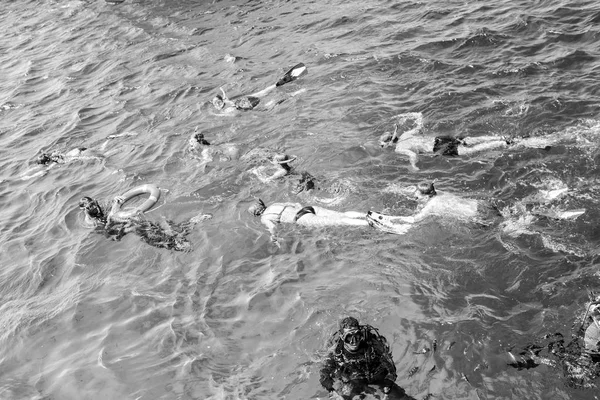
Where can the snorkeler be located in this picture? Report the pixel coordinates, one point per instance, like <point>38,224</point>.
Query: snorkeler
<point>412,142</point>
<point>116,223</point>
<point>223,103</point>
<point>277,168</point>
<point>317,217</point>
<point>46,160</point>
<point>206,152</point>
<point>80,153</point>
<point>311,216</point>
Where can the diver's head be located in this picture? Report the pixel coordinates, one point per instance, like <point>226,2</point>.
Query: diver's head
<point>92,208</point>
<point>44,159</point>
<point>352,334</point>
<point>218,102</point>
<point>257,208</point>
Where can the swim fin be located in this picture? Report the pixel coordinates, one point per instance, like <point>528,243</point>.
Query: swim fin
<point>387,223</point>
<point>297,71</point>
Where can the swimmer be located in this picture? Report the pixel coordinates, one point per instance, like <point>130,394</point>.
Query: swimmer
<point>47,160</point>
<point>80,153</point>
<point>323,190</point>
<point>223,103</point>
<point>312,216</point>
<point>278,168</point>
<point>201,149</point>
<point>412,142</point>
<point>173,237</point>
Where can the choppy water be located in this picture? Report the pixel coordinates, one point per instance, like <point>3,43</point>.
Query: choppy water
<point>83,317</point>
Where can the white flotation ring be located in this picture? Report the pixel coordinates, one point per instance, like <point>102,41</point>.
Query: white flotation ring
<point>123,215</point>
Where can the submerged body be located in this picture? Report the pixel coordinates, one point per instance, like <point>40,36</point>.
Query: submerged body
<point>276,168</point>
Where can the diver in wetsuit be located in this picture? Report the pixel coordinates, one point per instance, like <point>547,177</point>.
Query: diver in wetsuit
<point>580,364</point>
<point>358,356</point>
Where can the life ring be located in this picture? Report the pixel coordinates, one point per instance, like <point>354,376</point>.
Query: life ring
<point>124,215</point>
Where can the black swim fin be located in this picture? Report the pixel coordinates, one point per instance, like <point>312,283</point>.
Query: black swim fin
<point>297,71</point>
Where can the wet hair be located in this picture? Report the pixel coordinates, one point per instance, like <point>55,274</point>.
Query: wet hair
<point>349,323</point>
<point>199,137</point>
<point>426,189</point>
<point>257,208</point>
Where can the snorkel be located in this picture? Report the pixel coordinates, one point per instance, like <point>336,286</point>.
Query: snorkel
<point>388,138</point>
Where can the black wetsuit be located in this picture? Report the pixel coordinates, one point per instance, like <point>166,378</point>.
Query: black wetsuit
<point>372,363</point>
<point>447,145</point>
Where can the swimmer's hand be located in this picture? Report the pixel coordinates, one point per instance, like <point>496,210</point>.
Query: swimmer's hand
<point>119,200</point>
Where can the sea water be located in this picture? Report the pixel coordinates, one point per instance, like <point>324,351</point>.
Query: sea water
<point>238,316</point>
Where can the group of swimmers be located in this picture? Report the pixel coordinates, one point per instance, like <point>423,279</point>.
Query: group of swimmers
<point>407,137</point>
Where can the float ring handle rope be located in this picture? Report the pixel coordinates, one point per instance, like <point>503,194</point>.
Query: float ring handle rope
<point>124,215</point>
